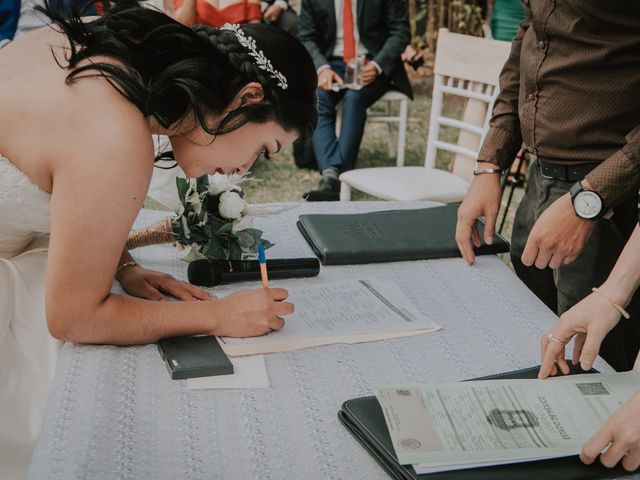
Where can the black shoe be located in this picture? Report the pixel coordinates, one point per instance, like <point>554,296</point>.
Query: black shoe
<point>328,190</point>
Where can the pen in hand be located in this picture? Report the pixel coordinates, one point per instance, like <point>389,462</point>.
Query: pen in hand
<point>263,266</point>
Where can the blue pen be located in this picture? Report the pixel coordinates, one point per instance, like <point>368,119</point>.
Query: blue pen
<point>263,266</point>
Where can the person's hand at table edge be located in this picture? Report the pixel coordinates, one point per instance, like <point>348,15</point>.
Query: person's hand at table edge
<point>483,200</point>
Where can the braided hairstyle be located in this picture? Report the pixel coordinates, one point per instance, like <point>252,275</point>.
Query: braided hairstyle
<point>168,70</point>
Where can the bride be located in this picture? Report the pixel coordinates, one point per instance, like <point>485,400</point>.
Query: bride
<point>80,104</point>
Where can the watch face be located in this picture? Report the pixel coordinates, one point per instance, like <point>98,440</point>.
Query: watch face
<point>587,204</point>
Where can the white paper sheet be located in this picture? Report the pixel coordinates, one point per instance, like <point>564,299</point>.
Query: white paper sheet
<point>465,424</point>
<point>249,372</point>
<point>349,311</point>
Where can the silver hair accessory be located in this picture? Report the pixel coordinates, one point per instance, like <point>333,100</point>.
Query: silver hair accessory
<point>261,61</point>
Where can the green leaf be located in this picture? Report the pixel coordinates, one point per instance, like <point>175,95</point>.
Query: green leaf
<point>224,228</point>
<point>235,252</point>
<point>183,186</point>
<point>202,184</point>
<point>214,249</point>
<point>249,237</point>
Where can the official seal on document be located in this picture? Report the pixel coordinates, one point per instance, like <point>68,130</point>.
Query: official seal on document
<point>410,443</point>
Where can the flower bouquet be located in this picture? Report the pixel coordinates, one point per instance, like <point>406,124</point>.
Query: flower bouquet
<point>213,220</point>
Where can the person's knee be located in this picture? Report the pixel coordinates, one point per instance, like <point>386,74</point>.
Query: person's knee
<point>326,107</point>
<point>288,22</point>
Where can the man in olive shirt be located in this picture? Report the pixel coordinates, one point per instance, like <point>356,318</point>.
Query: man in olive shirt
<point>570,95</point>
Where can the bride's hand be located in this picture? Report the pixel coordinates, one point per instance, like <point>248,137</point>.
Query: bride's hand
<point>150,284</point>
<point>252,313</point>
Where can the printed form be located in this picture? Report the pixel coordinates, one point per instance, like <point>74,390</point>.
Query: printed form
<point>349,311</point>
<point>466,424</point>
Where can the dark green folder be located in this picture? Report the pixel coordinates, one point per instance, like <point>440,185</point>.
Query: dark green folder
<point>388,236</point>
<point>363,417</point>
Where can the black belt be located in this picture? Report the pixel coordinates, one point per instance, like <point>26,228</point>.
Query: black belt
<point>565,172</point>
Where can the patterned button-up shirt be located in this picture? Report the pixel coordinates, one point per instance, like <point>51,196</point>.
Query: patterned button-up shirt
<point>570,91</point>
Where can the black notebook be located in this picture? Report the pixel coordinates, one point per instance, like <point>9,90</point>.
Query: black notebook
<point>388,236</point>
<point>363,417</point>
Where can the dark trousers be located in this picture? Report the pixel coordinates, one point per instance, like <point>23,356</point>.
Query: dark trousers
<point>343,152</point>
<point>288,22</point>
<point>562,288</point>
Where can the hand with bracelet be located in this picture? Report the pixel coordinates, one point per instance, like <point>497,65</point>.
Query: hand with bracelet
<point>483,200</point>
<point>590,320</point>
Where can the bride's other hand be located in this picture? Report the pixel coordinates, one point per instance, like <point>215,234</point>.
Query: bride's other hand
<point>152,285</point>
<point>251,313</point>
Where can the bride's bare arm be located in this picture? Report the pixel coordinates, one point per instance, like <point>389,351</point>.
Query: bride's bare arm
<point>98,189</point>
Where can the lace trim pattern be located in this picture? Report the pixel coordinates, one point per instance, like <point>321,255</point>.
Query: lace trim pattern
<point>23,205</point>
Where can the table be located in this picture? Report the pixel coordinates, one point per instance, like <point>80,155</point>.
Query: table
<point>115,413</point>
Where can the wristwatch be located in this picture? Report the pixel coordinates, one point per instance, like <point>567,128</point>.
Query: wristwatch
<point>587,203</point>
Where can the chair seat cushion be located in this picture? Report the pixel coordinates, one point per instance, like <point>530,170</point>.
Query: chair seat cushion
<point>408,183</point>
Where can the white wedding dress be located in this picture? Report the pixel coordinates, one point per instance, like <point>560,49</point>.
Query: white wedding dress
<point>28,354</point>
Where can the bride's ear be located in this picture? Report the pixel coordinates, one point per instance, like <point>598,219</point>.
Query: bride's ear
<point>251,94</point>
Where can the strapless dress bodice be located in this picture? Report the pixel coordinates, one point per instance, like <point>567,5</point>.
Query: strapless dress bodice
<point>24,210</point>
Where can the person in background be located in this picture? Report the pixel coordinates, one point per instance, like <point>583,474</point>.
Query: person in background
<point>280,14</point>
<point>588,323</point>
<point>9,13</point>
<point>216,12</point>
<point>569,97</point>
<point>336,32</point>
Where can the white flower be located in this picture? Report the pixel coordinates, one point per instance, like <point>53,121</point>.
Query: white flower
<point>231,205</point>
<point>218,183</point>
<point>241,224</point>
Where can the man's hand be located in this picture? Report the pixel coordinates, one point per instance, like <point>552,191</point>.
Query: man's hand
<point>327,77</point>
<point>369,73</point>
<point>272,13</point>
<point>558,236</point>
<point>589,321</point>
<point>483,200</point>
<point>620,436</point>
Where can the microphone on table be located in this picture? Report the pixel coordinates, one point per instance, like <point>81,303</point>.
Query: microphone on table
<point>207,273</point>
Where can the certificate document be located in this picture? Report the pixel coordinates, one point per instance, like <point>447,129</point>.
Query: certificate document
<point>467,424</point>
<point>349,311</point>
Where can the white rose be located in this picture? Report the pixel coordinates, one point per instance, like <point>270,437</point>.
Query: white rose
<point>218,183</point>
<point>231,205</point>
<point>241,224</point>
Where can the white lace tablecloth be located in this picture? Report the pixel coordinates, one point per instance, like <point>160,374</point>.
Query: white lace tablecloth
<point>115,413</point>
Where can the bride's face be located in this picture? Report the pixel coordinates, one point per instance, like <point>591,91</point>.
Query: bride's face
<point>198,153</point>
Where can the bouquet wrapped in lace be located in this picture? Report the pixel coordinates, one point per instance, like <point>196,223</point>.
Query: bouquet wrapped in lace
<point>213,220</point>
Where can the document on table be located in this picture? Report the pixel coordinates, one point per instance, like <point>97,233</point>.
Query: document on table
<point>349,311</point>
<point>480,423</point>
<point>248,372</point>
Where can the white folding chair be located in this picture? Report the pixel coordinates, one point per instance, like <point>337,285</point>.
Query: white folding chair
<point>384,113</point>
<point>397,124</point>
<point>465,66</point>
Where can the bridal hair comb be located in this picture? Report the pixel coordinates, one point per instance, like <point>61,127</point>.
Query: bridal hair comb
<point>261,61</point>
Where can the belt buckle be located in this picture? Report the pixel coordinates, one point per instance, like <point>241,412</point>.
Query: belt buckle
<point>548,177</point>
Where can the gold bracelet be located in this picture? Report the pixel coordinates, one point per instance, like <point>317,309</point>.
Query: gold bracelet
<point>617,306</point>
<point>125,264</point>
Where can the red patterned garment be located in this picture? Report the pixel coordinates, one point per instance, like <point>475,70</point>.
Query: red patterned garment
<point>218,12</point>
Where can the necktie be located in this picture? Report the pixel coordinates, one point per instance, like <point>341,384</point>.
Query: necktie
<point>347,30</point>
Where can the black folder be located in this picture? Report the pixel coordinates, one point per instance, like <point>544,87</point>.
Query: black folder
<point>388,236</point>
<point>363,417</point>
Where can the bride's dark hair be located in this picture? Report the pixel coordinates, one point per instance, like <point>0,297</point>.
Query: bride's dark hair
<point>167,69</point>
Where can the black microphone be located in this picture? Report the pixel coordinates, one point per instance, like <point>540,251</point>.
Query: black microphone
<point>207,273</point>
